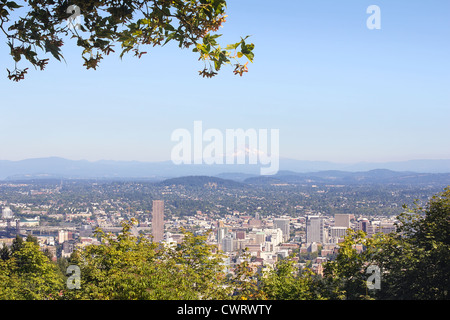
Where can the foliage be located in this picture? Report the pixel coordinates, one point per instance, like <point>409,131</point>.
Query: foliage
<point>128,267</point>
<point>417,257</point>
<point>244,280</point>
<point>346,277</point>
<point>132,24</point>
<point>286,282</point>
<point>27,274</point>
<point>414,261</point>
<point>200,271</point>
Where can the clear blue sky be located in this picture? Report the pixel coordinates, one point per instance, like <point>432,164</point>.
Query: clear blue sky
<point>336,90</point>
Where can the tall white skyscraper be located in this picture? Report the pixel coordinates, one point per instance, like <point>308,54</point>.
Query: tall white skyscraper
<point>315,229</point>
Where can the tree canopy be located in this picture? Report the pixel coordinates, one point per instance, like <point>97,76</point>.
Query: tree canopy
<point>414,261</point>
<point>36,27</point>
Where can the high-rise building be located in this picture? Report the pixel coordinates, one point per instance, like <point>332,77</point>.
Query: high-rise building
<point>158,220</point>
<point>366,226</point>
<point>228,243</point>
<point>342,220</point>
<point>363,225</point>
<point>315,229</point>
<point>284,225</point>
<point>221,233</point>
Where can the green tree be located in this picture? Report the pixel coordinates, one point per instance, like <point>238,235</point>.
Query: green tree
<point>131,24</point>
<point>126,267</point>
<point>17,244</point>
<point>5,252</point>
<point>201,273</point>
<point>32,239</point>
<point>29,275</point>
<point>286,282</point>
<point>245,280</point>
<point>346,277</point>
<point>416,259</point>
<point>9,282</point>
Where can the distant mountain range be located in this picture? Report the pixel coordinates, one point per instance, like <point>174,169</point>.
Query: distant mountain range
<point>378,176</point>
<point>290,170</point>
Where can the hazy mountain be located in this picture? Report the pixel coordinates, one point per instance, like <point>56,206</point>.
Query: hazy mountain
<point>64,168</point>
<point>426,166</point>
<point>378,176</point>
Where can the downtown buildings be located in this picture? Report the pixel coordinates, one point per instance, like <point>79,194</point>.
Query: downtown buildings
<point>267,238</point>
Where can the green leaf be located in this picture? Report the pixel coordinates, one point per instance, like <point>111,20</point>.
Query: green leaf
<point>247,51</point>
<point>232,46</point>
<point>53,49</point>
<point>13,5</point>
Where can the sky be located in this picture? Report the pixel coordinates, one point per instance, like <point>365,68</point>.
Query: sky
<point>335,89</point>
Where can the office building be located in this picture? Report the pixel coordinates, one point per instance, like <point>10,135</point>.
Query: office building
<point>363,225</point>
<point>315,229</point>
<point>228,243</point>
<point>221,233</point>
<point>158,220</point>
<point>342,220</point>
